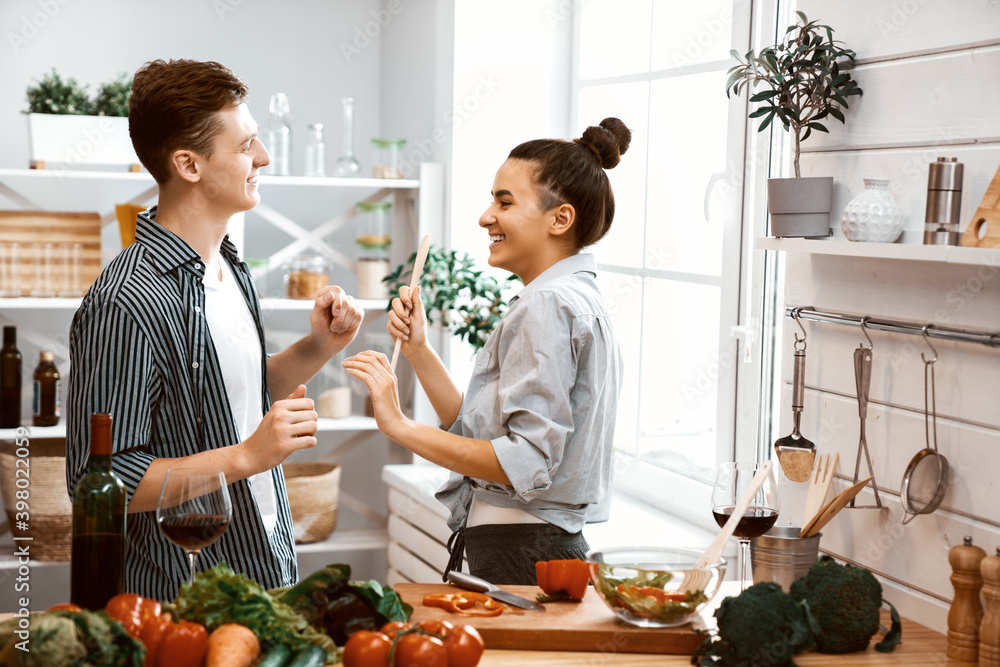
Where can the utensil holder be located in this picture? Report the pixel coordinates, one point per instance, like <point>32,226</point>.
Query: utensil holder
<point>781,556</point>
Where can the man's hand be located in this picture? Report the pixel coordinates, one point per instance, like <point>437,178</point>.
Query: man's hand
<point>290,425</point>
<point>335,320</point>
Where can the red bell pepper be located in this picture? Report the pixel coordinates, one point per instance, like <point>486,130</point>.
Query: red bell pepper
<point>167,643</point>
<point>464,603</point>
<point>562,579</point>
<point>132,611</point>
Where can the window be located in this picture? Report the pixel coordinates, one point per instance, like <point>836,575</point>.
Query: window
<point>673,266</point>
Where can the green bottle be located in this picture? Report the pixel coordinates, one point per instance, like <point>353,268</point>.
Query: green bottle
<point>10,380</point>
<point>97,563</point>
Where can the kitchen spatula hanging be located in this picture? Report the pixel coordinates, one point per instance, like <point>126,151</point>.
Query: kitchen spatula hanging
<point>795,453</point>
<point>863,380</point>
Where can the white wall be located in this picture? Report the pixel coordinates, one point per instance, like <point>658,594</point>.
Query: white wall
<point>924,68</point>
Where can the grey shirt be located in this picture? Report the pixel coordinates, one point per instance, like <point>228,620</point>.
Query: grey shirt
<point>545,393</point>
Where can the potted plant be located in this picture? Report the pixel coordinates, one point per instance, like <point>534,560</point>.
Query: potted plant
<point>457,296</point>
<point>67,128</point>
<point>804,84</point>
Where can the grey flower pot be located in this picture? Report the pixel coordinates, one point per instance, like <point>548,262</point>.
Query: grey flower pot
<point>800,207</point>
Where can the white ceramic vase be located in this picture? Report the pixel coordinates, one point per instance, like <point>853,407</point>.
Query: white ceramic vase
<point>873,215</point>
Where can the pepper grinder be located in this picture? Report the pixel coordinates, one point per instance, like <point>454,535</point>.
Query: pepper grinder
<point>963,617</point>
<point>944,202</point>
<point>989,631</point>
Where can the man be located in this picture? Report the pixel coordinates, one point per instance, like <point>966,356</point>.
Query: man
<point>169,339</point>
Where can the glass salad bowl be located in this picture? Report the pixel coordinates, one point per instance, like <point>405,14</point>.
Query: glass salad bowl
<point>654,587</point>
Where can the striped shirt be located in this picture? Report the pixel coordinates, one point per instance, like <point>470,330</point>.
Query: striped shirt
<point>141,350</point>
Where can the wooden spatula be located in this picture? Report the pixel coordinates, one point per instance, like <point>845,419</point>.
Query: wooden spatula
<point>697,581</point>
<point>819,485</point>
<point>831,508</point>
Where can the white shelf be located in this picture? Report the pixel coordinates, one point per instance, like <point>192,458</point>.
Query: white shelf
<point>39,303</point>
<point>57,431</point>
<point>905,251</point>
<point>271,304</point>
<point>81,174</point>
<point>356,539</point>
<point>352,423</point>
<point>324,181</point>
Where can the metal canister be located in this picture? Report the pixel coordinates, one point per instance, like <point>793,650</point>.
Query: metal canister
<point>944,202</point>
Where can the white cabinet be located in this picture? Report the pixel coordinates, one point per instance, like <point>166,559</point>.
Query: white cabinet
<point>354,442</point>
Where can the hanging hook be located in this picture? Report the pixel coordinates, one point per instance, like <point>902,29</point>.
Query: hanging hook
<point>927,339</point>
<point>799,341</point>
<point>864,330</point>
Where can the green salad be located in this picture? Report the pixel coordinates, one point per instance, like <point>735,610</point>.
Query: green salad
<point>644,595</point>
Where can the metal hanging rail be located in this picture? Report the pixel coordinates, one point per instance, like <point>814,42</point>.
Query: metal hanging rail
<point>930,330</point>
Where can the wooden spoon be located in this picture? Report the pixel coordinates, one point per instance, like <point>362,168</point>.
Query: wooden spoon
<point>831,509</point>
<point>418,268</point>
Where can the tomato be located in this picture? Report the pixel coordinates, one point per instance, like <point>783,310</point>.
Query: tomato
<point>464,645</point>
<point>393,628</point>
<point>417,650</point>
<point>65,606</point>
<point>438,626</point>
<point>365,648</point>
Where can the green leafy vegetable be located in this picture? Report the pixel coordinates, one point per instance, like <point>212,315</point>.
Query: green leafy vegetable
<point>221,595</point>
<point>388,605</point>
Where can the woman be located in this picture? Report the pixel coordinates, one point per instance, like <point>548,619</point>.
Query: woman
<point>530,443</point>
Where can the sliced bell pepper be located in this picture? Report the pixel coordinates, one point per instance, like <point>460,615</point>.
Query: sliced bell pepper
<point>657,594</point>
<point>562,579</point>
<point>465,603</point>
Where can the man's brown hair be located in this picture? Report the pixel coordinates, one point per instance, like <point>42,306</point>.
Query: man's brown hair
<point>173,106</point>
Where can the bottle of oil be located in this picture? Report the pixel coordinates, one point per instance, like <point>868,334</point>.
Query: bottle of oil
<point>97,561</point>
<point>10,380</point>
<point>47,407</point>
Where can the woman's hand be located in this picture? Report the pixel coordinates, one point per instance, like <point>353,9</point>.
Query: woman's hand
<point>373,369</point>
<point>407,321</point>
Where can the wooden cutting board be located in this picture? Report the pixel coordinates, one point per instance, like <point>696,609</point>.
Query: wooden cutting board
<point>588,625</point>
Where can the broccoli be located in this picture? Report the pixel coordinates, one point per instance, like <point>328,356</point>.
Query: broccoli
<point>762,626</point>
<point>844,601</point>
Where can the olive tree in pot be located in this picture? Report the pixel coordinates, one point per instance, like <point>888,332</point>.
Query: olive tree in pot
<point>804,84</point>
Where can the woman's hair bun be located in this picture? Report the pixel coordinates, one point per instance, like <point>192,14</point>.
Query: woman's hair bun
<point>608,141</point>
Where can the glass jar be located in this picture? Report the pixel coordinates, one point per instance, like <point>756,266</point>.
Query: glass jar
<point>305,275</point>
<point>373,242</point>
<point>315,151</point>
<point>258,271</point>
<point>387,161</point>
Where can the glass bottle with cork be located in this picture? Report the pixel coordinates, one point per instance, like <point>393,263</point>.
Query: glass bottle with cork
<point>47,399</point>
<point>10,380</point>
<point>97,561</point>
<point>373,242</point>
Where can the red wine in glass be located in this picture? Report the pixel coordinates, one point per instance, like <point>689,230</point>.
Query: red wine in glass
<point>755,521</point>
<point>194,509</point>
<point>193,531</point>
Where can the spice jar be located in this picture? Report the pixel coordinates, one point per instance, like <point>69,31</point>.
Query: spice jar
<point>373,249</point>
<point>387,162</point>
<point>305,275</point>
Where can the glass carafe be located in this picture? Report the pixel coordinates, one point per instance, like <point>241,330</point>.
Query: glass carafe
<point>347,165</point>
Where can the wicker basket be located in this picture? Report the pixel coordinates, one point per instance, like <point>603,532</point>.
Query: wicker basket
<point>312,496</point>
<point>50,512</point>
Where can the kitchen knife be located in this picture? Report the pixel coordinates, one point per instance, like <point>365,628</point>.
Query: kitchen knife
<point>482,586</point>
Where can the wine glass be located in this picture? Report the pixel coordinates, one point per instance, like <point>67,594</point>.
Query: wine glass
<point>194,509</point>
<point>731,481</point>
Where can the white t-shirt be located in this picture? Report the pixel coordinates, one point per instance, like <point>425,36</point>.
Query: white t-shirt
<point>238,346</point>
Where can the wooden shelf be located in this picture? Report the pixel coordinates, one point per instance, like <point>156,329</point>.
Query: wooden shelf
<point>904,251</point>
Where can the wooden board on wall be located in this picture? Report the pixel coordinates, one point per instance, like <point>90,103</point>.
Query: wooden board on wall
<point>27,228</point>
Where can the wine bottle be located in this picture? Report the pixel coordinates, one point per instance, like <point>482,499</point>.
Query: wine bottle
<point>97,561</point>
<point>46,406</point>
<point>10,380</point>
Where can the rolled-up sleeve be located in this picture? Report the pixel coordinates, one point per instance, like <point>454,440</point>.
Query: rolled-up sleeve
<point>111,371</point>
<point>537,372</point>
